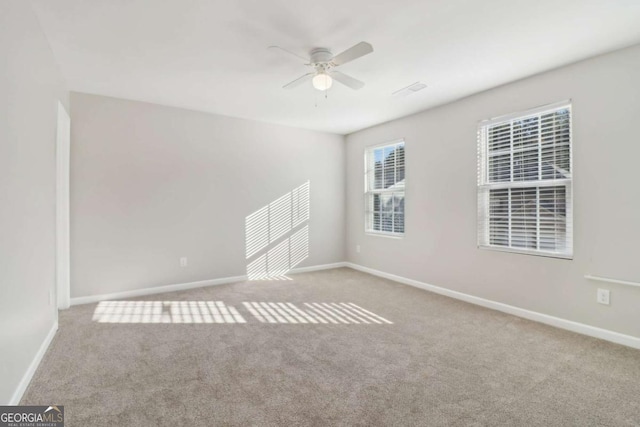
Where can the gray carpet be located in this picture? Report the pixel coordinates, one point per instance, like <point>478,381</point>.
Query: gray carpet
<point>441,362</point>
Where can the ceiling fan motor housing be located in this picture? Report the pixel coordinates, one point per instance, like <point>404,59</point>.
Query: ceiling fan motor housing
<point>320,59</point>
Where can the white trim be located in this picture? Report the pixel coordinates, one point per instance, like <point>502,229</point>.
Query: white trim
<point>534,252</point>
<point>530,112</point>
<point>156,290</point>
<point>190,285</point>
<point>569,325</point>
<point>609,280</point>
<point>383,144</point>
<point>26,378</point>
<point>318,267</point>
<point>386,234</point>
<point>63,150</point>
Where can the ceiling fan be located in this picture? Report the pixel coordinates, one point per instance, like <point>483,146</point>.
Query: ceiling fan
<point>324,65</point>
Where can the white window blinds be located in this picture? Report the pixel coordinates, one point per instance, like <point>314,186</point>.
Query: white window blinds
<point>525,182</point>
<point>384,182</point>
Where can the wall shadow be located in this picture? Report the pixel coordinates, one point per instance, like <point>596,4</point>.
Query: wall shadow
<point>277,235</point>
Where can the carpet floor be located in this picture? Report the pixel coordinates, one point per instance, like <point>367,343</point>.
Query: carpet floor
<point>335,348</point>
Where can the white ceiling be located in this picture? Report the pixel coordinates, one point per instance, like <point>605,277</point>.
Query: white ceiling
<point>212,55</point>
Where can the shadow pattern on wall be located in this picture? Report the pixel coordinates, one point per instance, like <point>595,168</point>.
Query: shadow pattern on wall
<point>277,235</point>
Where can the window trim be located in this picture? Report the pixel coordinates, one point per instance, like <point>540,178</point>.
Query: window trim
<point>529,112</point>
<point>367,192</point>
<point>482,154</point>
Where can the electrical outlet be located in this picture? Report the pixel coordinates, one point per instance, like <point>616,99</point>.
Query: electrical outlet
<point>358,248</point>
<point>183,261</point>
<point>603,296</point>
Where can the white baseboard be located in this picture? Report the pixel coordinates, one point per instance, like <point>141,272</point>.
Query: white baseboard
<point>318,267</point>
<point>155,290</point>
<point>190,285</point>
<point>558,322</point>
<point>26,378</point>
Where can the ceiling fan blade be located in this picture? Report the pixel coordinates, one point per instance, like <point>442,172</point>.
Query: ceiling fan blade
<point>306,60</point>
<point>298,81</point>
<point>347,80</point>
<point>354,52</point>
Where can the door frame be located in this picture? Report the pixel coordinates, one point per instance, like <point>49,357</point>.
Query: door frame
<point>63,249</point>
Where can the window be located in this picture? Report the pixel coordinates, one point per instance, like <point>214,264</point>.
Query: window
<point>525,182</point>
<point>384,189</point>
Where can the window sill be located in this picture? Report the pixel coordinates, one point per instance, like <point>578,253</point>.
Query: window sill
<point>568,257</point>
<point>383,234</point>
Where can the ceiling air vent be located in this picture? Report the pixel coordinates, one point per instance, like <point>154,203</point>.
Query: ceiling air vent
<point>410,89</point>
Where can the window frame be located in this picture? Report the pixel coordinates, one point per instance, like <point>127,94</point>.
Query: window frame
<point>484,185</point>
<point>369,193</point>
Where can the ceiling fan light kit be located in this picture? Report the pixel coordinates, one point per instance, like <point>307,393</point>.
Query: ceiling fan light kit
<point>322,81</point>
<point>324,63</point>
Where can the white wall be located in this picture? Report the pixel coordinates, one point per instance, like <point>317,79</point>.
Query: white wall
<point>439,247</point>
<point>151,184</point>
<point>30,87</point>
